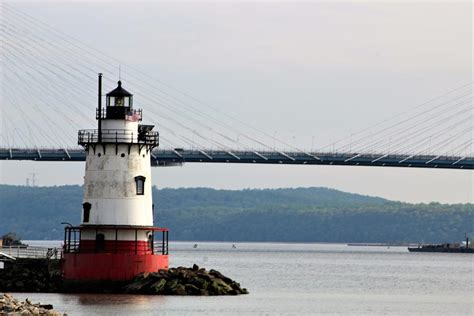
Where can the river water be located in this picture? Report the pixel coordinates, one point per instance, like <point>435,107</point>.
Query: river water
<point>302,279</point>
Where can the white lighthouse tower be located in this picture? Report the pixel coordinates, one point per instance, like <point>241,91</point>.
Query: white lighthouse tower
<point>116,239</point>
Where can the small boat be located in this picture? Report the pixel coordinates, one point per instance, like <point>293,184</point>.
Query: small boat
<point>11,240</point>
<point>195,246</point>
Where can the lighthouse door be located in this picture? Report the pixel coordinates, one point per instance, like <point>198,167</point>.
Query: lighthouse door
<point>87,211</point>
<point>99,242</point>
<point>150,242</point>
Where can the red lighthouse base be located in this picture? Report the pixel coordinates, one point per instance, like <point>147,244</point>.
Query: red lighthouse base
<point>112,260</point>
<point>111,267</point>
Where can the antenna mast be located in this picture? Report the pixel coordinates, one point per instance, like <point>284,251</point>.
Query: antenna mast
<point>100,109</point>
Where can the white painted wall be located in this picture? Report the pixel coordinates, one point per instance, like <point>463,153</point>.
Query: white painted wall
<point>109,234</point>
<point>109,185</point>
<point>125,131</point>
<point>119,124</point>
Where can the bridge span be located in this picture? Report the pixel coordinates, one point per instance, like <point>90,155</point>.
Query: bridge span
<point>175,157</point>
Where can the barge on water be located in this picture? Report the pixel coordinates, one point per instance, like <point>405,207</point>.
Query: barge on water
<point>464,247</point>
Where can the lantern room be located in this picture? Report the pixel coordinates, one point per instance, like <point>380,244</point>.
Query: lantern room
<point>120,105</point>
<point>119,97</point>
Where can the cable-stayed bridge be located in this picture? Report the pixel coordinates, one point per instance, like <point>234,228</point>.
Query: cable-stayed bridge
<point>179,156</point>
<point>48,93</point>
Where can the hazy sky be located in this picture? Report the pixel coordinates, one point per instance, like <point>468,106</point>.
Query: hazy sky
<point>302,71</point>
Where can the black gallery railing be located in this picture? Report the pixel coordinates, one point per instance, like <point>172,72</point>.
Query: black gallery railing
<point>156,243</point>
<point>118,136</point>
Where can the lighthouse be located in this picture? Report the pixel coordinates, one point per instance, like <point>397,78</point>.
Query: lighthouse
<point>116,239</point>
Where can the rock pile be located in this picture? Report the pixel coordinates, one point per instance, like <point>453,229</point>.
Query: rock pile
<point>30,275</point>
<point>184,281</point>
<point>43,275</point>
<point>11,306</point>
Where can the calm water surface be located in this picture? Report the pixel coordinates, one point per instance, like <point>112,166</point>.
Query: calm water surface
<point>302,279</point>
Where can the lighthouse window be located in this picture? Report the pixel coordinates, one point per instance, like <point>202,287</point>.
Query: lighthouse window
<point>87,211</point>
<point>119,101</point>
<point>140,183</point>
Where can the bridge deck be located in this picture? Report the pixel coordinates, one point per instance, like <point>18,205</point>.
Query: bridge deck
<point>161,157</point>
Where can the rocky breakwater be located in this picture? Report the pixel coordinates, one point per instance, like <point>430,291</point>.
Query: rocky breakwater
<point>30,275</point>
<point>9,306</point>
<point>184,281</point>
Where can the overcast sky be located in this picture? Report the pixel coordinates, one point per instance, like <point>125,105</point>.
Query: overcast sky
<point>306,72</point>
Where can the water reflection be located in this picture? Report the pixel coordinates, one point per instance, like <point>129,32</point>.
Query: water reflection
<point>114,299</point>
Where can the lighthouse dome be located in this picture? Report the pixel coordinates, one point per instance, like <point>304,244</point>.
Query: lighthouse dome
<point>119,91</point>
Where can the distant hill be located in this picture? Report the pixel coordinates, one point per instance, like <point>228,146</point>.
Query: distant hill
<point>286,215</point>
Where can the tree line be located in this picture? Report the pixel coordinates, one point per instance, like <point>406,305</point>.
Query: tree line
<point>280,215</point>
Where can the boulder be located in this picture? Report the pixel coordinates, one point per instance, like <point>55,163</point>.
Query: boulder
<point>171,284</point>
<point>192,290</point>
<point>219,287</point>
<point>179,290</point>
<point>139,285</point>
<point>158,287</point>
<point>199,282</point>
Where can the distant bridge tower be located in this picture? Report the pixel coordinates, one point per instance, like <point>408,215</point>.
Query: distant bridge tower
<point>116,239</point>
